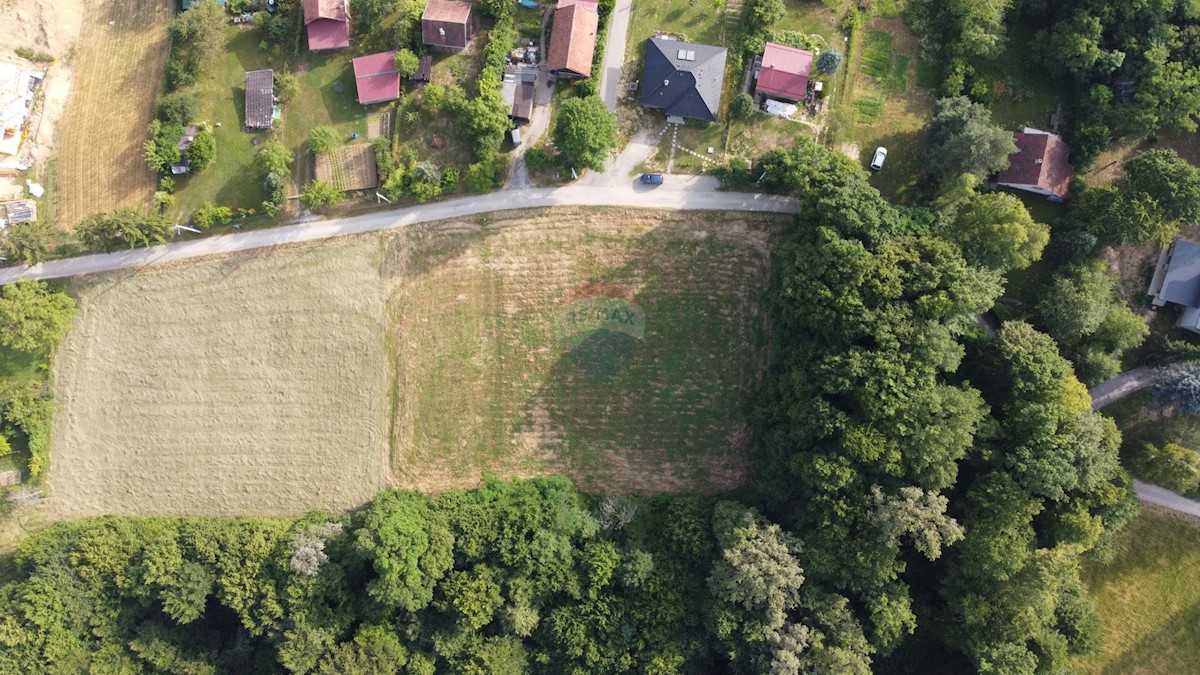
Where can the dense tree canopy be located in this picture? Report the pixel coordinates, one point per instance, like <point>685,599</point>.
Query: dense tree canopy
<point>33,317</point>
<point>994,230</point>
<point>962,139</point>
<point>585,131</point>
<point>1158,193</point>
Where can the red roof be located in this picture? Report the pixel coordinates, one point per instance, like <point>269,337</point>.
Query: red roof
<point>1040,160</point>
<point>784,72</point>
<point>325,9</point>
<point>573,42</point>
<point>377,78</point>
<point>328,23</point>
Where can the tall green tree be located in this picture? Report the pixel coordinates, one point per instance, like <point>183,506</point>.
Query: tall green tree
<point>124,227</point>
<point>34,317</point>
<point>996,231</point>
<point>585,132</point>
<point>963,139</point>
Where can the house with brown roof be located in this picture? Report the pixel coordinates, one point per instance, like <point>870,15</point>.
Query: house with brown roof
<point>573,41</point>
<point>377,78</point>
<point>448,25</point>
<point>1039,165</point>
<point>783,73</point>
<point>327,23</point>
<point>260,99</point>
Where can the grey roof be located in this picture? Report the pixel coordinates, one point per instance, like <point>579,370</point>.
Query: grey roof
<point>683,79</point>
<point>260,98</point>
<point>1182,283</point>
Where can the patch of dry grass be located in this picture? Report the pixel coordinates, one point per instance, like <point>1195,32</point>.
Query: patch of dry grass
<point>117,69</point>
<point>253,384</point>
<point>485,381</point>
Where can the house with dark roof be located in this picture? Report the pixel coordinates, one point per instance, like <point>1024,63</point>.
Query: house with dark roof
<point>377,78</point>
<point>260,99</point>
<point>327,23</point>
<point>517,90</point>
<point>783,73</point>
<point>573,40</point>
<point>1039,165</point>
<point>683,79</point>
<point>448,25</point>
<point>1177,280</point>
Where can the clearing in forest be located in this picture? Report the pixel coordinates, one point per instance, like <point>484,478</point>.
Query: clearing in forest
<point>252,384</point>
<point>117,72</point>
<point>616,347</point>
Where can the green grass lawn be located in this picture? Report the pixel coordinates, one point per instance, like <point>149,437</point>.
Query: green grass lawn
<point>695,20</point>
<point>320,103</point>
<point>1148,599</point>
<point>814,17</point>
<point>884,107</point>
<point>229,180</point>
<point>1029,98</point>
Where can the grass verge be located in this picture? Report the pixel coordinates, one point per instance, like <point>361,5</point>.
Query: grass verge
<point>1148,599</point>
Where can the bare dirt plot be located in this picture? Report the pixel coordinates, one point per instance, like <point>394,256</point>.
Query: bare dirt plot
<point>349,167</point>
<point>616,347</point>
<point>117,70</point>
<point>253,384</point>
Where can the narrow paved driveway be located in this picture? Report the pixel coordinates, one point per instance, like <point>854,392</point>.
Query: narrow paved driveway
<point>677,193</point>
<point>1165,498</point>
<point>1117,388</point>
<point>614,53</point>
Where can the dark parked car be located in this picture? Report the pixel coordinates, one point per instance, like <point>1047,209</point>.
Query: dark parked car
<point>652,179</point>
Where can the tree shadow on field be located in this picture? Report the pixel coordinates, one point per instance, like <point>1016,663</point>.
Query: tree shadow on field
<point>657,358</point>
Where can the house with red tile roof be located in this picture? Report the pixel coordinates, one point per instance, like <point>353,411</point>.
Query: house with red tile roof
<point>376,77</point>
<point>573,41</point>
<point>784,73</point>
<point>1039,165</point>
<point>448,25</point>
<point>327,23</point>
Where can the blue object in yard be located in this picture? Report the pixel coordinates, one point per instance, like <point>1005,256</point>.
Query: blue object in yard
<point>527,4</point>
<point>354,136</point>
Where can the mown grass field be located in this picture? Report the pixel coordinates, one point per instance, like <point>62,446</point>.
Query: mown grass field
<point>486,382</point>
<point>278,382</point>
<point>1148,599</point>
<point>252,384</point>
<point>117,69</point>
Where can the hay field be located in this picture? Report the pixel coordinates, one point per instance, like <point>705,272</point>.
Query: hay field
<point>492,375</point>
<point>253,384</point>
<point>117,72</point>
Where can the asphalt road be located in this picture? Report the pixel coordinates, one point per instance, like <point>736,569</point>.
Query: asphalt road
<point>677,193</point>
<point>614,53</point>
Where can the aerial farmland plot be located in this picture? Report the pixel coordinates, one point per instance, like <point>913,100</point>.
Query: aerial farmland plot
<point>616,347</point>
<point>251,384</point>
